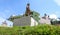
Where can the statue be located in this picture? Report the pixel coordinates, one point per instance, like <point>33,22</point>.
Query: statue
<point>27,13</point>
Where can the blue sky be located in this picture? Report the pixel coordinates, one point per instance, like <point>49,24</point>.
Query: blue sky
<point>18,7</point>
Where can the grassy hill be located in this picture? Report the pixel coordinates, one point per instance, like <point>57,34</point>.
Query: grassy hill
<point>35,30</point>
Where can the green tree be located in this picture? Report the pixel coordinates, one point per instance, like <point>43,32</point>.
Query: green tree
<point>11,18</point>
<point>35,15</point>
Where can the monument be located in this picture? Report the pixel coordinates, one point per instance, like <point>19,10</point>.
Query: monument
<point>26,20</point>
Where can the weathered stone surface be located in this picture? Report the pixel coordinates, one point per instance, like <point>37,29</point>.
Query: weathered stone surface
<point>25,21</point>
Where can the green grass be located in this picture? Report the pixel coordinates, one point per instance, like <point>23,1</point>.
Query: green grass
<point>34,30</point>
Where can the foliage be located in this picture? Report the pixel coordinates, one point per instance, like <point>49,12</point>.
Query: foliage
<point>54,21</point>
<point>35,15</point>
<point>11,18</point>
<point>42,29</point>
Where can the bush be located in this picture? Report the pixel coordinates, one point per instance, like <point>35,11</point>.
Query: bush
<point>34,30</point>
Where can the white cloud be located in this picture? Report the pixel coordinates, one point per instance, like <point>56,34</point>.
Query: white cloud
<point>58,19</point>
<point>53,16</point>
<point>57,2</point>
<point>1,19</point>
<point>21,13</point>
<point>13,15</point>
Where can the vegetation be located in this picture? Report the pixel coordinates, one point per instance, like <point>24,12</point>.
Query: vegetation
<point>35,15</point>
<point>55,22</point>
<point>42,29</point>
<point>11,18</point>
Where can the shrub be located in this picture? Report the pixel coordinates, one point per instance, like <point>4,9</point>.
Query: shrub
<point>34,30</point>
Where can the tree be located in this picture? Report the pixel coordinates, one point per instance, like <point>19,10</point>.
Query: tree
<point>11,18</point>
<point>55,22</point>
<point>35,15</point>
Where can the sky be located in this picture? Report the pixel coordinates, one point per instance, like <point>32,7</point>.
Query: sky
<point>18,7</point>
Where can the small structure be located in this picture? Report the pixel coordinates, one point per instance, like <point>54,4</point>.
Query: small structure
<point>25,21</point>
<point>45,20</point>
<point>4,24</point>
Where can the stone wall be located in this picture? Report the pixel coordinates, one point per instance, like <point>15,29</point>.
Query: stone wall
<point>24,21</point>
